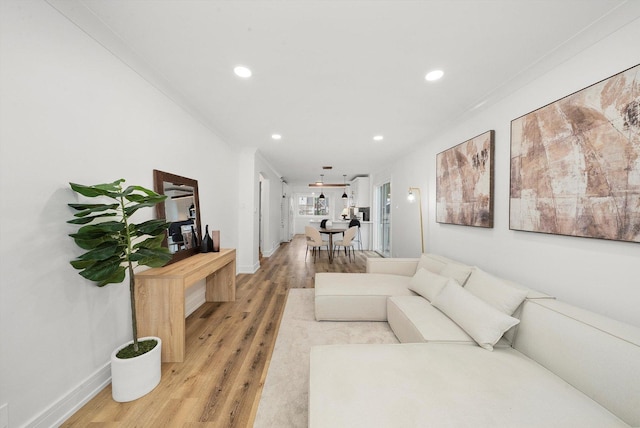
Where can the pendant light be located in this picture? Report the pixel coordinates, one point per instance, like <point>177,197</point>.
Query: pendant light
<point>321,191</point>
<point>344,193</point>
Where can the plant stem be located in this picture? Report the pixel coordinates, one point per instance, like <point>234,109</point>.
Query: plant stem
<point>132,298</point>
<point>132,279</point>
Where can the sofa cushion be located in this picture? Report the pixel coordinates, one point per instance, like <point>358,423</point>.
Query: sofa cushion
<point>598,355</point>
<point>427,284</point>
<point>356,296</point>
<point>477,318</point>
<point>414,320</point>
<point>392,266</point>
<point>494,291</point>
<point>457,271</point>
<point>441,385</point>
<point>442,258</point>
<point>430,263</point>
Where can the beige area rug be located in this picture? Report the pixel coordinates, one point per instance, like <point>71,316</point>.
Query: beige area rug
<point>285,397</point>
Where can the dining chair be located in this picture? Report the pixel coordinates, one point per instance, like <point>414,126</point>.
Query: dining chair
<point>347,242</point>
<point>358,238</point>
<point>314,241</point>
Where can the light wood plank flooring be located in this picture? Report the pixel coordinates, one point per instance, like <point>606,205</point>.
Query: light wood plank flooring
<point>229,346</point>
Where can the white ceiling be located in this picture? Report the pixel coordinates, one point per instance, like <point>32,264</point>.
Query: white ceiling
<point>329,75</point>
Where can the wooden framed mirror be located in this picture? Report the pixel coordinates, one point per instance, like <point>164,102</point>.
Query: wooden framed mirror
<point>182,210</point>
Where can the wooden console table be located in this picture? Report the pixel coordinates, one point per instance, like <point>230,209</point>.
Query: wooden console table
<point>160,296</point>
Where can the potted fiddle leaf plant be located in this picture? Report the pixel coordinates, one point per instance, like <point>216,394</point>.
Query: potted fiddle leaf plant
<point>114,246</point>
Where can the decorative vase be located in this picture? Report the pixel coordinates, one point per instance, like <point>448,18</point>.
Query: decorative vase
<point>194,237</point>
<point>207,242</point>
<point>215,237</point>
<point>132,378</point>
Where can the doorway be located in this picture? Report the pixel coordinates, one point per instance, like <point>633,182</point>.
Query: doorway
<point>383,220</point>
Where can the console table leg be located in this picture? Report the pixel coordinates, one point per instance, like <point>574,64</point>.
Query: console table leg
<point>221,285</point>
<point>160,312</point>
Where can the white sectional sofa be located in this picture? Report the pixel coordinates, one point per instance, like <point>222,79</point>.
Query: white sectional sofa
<point>540,363</point>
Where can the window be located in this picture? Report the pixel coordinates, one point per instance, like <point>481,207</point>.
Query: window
<point>312,205</point>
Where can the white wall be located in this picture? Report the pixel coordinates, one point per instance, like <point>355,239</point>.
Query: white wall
<point>599,275</point>
<point>247,253</point>
<point>252,169</point>
<point>271,201</point>
<point>70,111</point>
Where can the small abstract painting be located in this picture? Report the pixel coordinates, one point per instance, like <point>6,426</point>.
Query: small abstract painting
<point>464,183</point>
<point>575,163</point>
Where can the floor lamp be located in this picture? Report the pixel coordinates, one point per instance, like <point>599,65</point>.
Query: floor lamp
<point>411,198</point>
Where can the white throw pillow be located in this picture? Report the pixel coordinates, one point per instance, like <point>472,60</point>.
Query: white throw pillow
<point>494,291</point>
<point>429,263</point>
<point>427,284</point>
<point>456,271</point>
<point>484,323</point>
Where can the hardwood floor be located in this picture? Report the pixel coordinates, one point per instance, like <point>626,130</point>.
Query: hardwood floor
<point>229,346</point>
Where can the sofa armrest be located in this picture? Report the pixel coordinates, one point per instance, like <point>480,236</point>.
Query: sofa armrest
<point>394,266</point>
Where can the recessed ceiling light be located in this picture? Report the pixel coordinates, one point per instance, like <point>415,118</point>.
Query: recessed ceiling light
<point>434,75</point>
<point>242,71</point>
<point>276,136</point>
<point>378,138</point>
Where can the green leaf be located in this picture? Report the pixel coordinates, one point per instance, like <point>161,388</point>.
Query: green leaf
<point>82,264</point>
<point>80,207</point>
<point>151,227</point>
<point>129,190</point>
<point>104,252</point>
<point>116,278</point>
<point>87,209</point>
<point>112,190</point>
<point>91,243</point>
<point>152,252</point>
<point>102,270</point>
<point>100,229</point>
<point>111,187</point>
<point>136,197</point>
<point>153,257</point>
<point>154,242</point>
<point>85,220</point>
<point>133,208</point>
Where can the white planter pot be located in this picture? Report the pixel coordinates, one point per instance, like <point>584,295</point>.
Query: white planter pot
<point>134,377</point>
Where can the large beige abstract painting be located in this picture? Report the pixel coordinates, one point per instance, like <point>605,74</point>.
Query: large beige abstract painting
<point>575,163</point>
<point>464,183</point>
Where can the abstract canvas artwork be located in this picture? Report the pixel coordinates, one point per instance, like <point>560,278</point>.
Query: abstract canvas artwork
<point>575,163</point>
<point>464,183</point>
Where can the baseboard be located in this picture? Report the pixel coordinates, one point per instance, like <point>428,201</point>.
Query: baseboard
<point>71,402</point>
<point>270,252</point>
<point>249,269</point>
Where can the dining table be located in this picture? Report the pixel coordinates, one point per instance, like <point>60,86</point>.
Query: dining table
<point>331,232</point>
